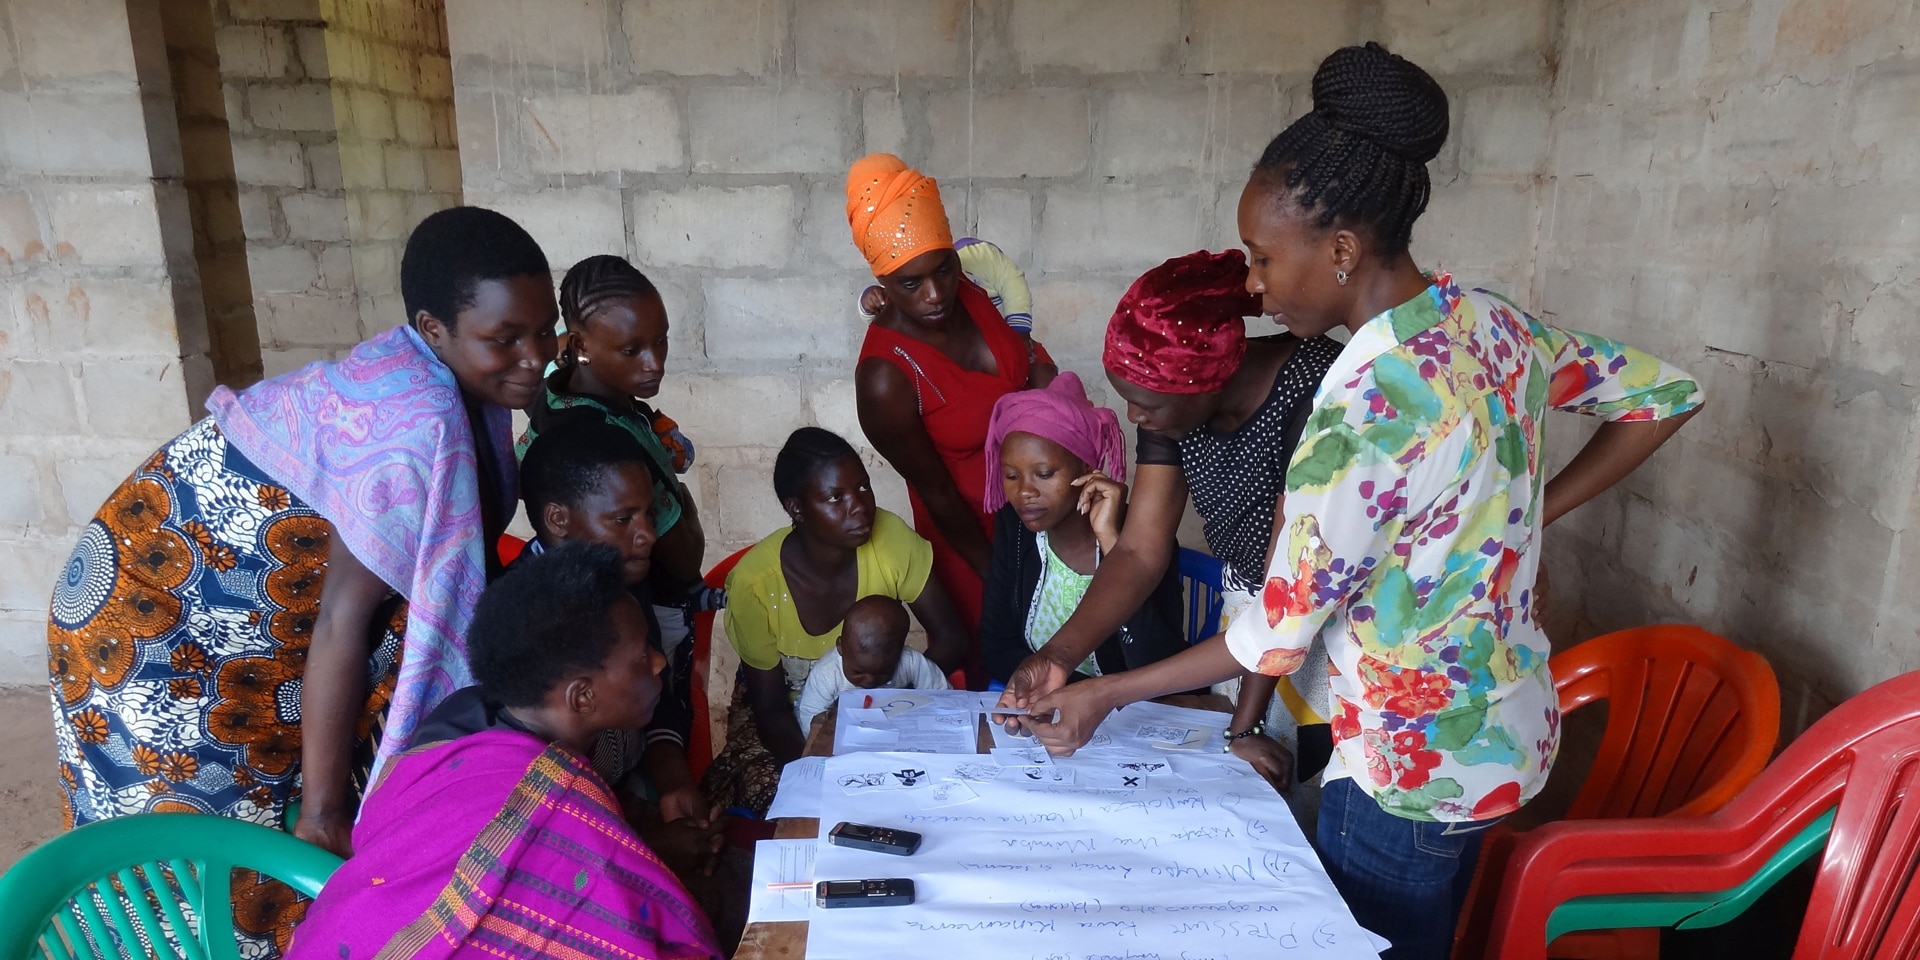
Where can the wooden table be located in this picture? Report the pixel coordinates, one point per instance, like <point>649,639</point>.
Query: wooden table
<point>787,940</point>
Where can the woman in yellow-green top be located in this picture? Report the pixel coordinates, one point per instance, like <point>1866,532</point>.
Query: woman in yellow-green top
<point>788,594</point>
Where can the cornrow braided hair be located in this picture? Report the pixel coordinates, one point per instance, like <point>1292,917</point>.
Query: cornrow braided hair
<point>595,281</point>
<point>1360,155</point>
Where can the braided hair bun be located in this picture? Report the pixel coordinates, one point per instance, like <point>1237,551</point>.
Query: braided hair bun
<point>1368,92</point>
<point>1360,156</point>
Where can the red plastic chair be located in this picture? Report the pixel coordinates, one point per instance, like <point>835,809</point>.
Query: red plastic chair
<point>1691,720</point>
<point>700,750</point>
<point>509,548</point>
<point>1859,766</point>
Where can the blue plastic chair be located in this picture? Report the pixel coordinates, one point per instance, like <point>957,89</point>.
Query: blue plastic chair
<point>1200,577</point>
<point>131,886</point>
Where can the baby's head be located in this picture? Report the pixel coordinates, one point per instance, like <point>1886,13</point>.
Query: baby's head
<point>871,638</point>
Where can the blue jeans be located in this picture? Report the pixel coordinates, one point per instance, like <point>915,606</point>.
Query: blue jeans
<point>1403,879</point>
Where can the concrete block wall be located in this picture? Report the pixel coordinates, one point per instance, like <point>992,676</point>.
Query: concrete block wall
<point>392,92</point>
<point>1090,138</point>
<point>103,342</point>
<point>1734,186</point>
<point>284,134</point>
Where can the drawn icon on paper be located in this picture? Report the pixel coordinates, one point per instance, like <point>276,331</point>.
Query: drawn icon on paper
<point>1144,767</point>
<point>857,781</point>
<point>977,772</point>
<point>1130,781</point>
<point>1100,740</point>
<point>909,777</point>
<point>1035,773</point>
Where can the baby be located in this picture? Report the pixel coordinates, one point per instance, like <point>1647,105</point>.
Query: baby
<point>871,652</point>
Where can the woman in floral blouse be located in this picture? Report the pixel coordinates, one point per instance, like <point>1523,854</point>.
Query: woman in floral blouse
<point>1413,505</point>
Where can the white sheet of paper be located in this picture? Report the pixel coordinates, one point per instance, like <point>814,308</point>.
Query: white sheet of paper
<point>907,721</point>
<point>1216,869</point>
<point>798,794</point>
<point>1147,725</point>
<point>781,861</point>
<point>1026,756</point>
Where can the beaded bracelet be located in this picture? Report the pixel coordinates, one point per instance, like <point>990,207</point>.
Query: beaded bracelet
<point>1255,730</point>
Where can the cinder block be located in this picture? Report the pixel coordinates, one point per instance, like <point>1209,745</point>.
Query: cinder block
<point>376,266</point>
<point>1144,132</point>
<point>921,38</point>
<point>105,316</point>
<point>143,399</point>
<point>253,50</point>
<point>84,38</point>
<point>37,399</point>
<point>443,170</point>
<point>369,115</point>
<point>885,123</point>
<point>363,163</point>
<point>716,38</point>
<point>770,130</point>
<point>27,572</point>
<point>1454,36</point>
<point>275,361</point>
<point>377,215</point>
<point>1095,36</point>
<point>311,44</point>
<point>314,217</point>
<point>337,262</point>
<point>286,269</point>
<point>709,409</point>
<point>1117,229</point>
<point>313,321</point>
<point>570,224</point>
<point>1006,219</point>
<point>274,9</point>
<point>1070,315</point>
<point>406,167</point>
<point>19,230</point>
<point>591,133</point>
<point>529,33</point>
<point>1034,132</point>
<point>748,510</point>
<point>824,237</point>
<point>790,318</point>
<point>1881,124</point>
<point>76,133</point>
<point>714,227</point>
<point>413,121</point>
<point>306,106</point>
<point>325,159</point>
<point>1505,131</point>
<point>268,163</point>
<point>107,226</point>
<point>86,482</point>
<point>20,491</point>
<point>1481,230</point>
<point>1267,36</point>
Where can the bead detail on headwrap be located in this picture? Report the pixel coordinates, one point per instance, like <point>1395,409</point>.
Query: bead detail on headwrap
<point>1180,327</point>
<point>883,196</point>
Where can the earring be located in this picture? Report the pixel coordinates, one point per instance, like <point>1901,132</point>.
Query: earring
<point>1338,275</point>
<point>584,360</point>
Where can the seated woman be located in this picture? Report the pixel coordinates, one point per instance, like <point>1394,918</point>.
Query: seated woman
<point>788,595</point>
<point>1040,444</point>
<point>505,842</point>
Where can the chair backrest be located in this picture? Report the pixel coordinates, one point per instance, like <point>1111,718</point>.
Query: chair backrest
<point>131,885</point>
<point>509,547</point>
<point>1200,580</point>
<point>1860,764</point>
<point>1691,719</point>
<point>700,750</point>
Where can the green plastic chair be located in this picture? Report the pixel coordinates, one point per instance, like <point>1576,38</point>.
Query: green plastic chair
<point>66,897</point>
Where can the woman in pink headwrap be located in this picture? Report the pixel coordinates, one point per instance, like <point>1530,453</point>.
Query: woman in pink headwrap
<point>1040,444</point>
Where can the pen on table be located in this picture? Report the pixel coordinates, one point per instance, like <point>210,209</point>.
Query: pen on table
<point>1017,712</point>
<point>796,885</point>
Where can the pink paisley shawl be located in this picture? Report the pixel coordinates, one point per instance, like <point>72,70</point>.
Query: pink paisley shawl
<point>497,845</point>
<point>380,445</point>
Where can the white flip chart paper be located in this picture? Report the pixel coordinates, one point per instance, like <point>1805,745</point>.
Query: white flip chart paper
<point>1167,866</point>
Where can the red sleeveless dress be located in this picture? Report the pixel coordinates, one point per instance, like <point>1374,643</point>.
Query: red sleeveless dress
<point>955,404</point>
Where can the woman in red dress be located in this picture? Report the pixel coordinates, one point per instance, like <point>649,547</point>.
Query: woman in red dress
<point>936,357</point>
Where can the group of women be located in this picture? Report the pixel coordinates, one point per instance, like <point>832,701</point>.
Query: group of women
<point>268,609</point>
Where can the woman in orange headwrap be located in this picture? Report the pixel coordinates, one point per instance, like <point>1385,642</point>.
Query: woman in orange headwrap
<point>935,359</point>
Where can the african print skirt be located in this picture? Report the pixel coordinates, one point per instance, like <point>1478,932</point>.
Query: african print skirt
<point>178,641</point>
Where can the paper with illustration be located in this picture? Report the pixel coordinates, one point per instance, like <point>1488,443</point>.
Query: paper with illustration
<point>1071,868</point>
<point>907,721</point>
<point>782,863</point>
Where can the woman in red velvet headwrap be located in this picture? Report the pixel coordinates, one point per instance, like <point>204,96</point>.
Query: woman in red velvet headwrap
<point>1217,417</point>
<point>935,359</point>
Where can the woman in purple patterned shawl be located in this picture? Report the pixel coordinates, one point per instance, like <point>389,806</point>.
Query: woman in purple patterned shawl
<point>503,842</point>
<point>227,636</point>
